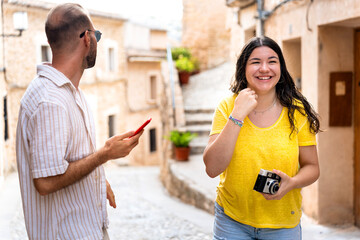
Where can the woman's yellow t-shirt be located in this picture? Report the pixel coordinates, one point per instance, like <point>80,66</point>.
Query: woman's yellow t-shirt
<point>267,148</point>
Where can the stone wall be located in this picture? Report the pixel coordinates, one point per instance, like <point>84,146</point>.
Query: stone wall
<point>158,39</point>
<point>184,189</point>
<point>20,62</point>
<point>206,31</point>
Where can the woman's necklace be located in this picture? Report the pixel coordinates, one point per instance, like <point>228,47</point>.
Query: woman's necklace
<point>263,111</point>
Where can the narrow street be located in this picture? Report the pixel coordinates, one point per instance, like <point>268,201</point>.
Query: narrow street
<point>144,210</point>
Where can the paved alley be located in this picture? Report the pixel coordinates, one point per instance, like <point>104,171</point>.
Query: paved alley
<point>144,210</point>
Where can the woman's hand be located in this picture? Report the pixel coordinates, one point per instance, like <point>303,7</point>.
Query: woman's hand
<point>309,172</point>
<point>286,185</point>
<point>110,195</point>
<point>245,102</point>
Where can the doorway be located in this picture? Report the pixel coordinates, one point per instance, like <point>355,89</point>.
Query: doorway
<point>292,54</point>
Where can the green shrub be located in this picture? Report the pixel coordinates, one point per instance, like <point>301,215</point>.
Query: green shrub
<point>179,52</point>
<point>184,64</point>
<point>181,139</point>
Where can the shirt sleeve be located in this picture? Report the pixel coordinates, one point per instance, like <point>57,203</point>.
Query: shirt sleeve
<point>305,136</point>
<point>220,118</point>
<point>48,139</point>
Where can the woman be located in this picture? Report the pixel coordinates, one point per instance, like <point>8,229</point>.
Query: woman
<point>266,124</point>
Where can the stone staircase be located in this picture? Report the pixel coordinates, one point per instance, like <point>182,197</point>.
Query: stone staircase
<point>199,121</point>
<point>201,96</point>
<point>187,180</point>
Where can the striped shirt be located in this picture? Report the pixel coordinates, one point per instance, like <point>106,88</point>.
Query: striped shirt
<point>56,127</point>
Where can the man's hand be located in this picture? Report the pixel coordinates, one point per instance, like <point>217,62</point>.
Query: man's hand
<point>285,187</point>
<point>121,145</point>
<point>115,147</point>
<point>110,195</point>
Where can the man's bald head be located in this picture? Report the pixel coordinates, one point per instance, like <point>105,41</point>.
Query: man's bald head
<point>64,24</point>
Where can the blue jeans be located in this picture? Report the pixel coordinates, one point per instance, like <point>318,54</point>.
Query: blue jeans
<point>225,228</point>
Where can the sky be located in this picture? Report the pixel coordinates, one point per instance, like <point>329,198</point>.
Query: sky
<point>156,13</point>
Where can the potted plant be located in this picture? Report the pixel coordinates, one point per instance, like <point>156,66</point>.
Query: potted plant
<point>196,66</point>
<point>185,67</point>
<point>181,141</point>
<point>185,63</point>
<point>180,51</point>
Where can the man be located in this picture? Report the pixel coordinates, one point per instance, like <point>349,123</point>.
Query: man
<point>62,180</point>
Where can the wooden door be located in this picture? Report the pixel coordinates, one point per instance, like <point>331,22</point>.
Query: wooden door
<point>357,125</point>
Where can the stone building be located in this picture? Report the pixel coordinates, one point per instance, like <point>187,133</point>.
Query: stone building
<point>126,86</point>
<point>321,43</point>
<point>145,51</point>
<point>206,31</point>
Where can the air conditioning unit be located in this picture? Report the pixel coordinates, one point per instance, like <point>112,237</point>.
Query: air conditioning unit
<point>239,3</point>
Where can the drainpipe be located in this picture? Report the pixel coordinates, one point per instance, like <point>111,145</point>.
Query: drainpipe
<point>261,18</point>
<point>263,14</point>
<point>172,81</point>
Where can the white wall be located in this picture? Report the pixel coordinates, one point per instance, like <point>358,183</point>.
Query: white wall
<point>136,36</point>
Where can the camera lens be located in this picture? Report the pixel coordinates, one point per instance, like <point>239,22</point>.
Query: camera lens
<point>274,187</point>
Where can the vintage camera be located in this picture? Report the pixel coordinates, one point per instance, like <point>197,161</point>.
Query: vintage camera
<point>267,182</point>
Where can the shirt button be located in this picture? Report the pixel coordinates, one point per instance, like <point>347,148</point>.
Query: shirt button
<point>96,177</point>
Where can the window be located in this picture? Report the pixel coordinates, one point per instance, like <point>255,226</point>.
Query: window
<point>152,89</point>
<point>45,54</point>
<point>6,128</point>
<point>111,63</point>
<point>153,140</point>
<point>111,125</point>
<point>111,56</point>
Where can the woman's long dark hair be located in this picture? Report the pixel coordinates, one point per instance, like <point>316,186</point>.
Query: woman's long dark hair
<point>286,91</point>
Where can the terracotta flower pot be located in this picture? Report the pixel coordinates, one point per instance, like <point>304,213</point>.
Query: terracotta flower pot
<point>182,153</point>
<point>184,77</point>
<point>195,72</point>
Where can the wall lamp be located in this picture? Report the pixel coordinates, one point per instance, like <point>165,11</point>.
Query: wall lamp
<point>20,22</point>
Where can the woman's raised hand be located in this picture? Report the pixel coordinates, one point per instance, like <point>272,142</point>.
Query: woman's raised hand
<point>245,102</point>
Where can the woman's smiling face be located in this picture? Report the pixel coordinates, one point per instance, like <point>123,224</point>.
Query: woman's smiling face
<point>263,70</point>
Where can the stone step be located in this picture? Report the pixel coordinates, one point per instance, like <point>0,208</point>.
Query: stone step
<point>200,129</point>
<point>200,141</point>
<point>197,150</point>
<point>198,118</point>
<point>198,145</point>
<point>198,110</point>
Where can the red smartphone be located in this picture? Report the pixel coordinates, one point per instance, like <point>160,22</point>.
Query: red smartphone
<point>141,127</point>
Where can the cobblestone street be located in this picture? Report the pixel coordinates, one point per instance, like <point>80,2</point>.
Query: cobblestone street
<point>144,210</point>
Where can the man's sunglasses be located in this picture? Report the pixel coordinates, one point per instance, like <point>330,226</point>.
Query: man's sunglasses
<point>97,34</point>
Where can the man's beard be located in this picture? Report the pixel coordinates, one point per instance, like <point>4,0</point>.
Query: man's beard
<point>91,58</point>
